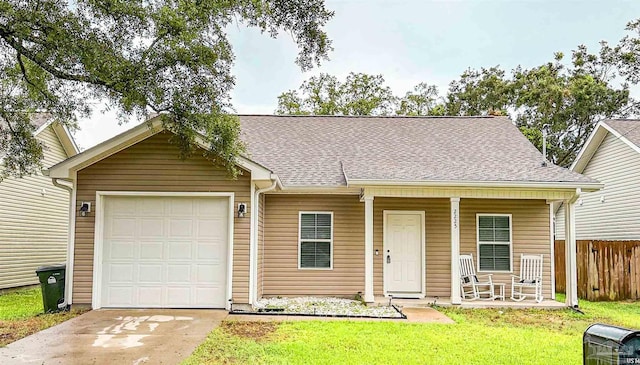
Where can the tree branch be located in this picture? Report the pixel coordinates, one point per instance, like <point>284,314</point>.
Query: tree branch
<point>26,78</point>
<point>50,69</point>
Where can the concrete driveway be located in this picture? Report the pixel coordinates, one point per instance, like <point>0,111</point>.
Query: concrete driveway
<point>129,336</point>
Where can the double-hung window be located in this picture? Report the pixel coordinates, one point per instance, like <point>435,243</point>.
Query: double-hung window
<point>494,242</point>
<point>316,240</point>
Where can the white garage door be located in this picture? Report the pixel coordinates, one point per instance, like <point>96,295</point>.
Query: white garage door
<point>165,252</point>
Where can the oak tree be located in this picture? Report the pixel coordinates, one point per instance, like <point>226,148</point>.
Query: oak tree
<point>171,57</point>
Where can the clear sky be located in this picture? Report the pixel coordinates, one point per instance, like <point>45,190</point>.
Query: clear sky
<point>411,41</point>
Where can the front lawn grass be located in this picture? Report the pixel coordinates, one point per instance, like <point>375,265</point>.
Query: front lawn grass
<point>21,314</point>
<point>479,336</point>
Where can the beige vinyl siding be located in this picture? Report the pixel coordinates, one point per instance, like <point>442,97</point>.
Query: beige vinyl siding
<point>153,165</point>
<point>33,221</point>
<point>617,166</point>
<point>530,233</point>
<point>530,221</point>
<point>281,276</point>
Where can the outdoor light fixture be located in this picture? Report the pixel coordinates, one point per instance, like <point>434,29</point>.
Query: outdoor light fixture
<point>242,209</point>
<point>85,207</point>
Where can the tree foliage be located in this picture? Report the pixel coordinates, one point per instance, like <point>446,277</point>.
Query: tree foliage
<point>479,92</point>
<point>359,94</point>
<point>568,100</point>
<point>170,57</point>
<point>423,100</point>
<point>565,97</point>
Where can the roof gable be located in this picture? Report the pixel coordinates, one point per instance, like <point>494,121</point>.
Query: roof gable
<point>66,169</point>
<point>41,121</point>
<point>626,130</point>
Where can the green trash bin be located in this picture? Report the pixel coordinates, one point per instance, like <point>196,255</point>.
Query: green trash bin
<point>52,284</point>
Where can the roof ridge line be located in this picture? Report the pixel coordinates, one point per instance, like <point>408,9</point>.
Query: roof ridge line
<point>376,116</point>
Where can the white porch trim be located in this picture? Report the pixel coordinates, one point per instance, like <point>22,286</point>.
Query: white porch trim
<point>368,249</point>
<point>469,192</point>
<point>552,244</point>
<point>532,185</point>
<point>253,212</point>
<point>570,250</point>
<point>455,251</point>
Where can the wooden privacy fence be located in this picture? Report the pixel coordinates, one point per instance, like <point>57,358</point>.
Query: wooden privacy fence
<point>607,270</point>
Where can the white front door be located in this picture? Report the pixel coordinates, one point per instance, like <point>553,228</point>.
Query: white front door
<point>165,252</point>
<point>403,253</point>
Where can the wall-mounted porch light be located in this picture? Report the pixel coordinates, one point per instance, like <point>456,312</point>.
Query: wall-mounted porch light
<point>85,207</point>
<point>242,209</point>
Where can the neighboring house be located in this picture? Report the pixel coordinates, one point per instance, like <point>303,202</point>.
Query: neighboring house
<point>34,214</point>
<point>327,206</point>
<point>612,215</point>
<point>612,156</point>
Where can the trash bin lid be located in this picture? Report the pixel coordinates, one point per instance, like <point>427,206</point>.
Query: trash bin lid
<point>51,267</point>
<point>614,333</point>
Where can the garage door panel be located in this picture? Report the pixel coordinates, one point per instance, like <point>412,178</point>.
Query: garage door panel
<point>151,250</point>
<point>122,228</point>
<point>150,296</point>
<point>179,274</point>
<point>207,294</point>
<point>123,206</point>
<point>121,273</point>
<point>150,273</point>
<point>179,296</point>
<point>216,209</point>
<point>180,250</point>
<point>150,207</point>
<point>171,252</point>
<point>209,251</point>
<point>121,296</point>
<point>152,228</point>
<point>207,228</point>
<point>181,207</point>
<point>120,250</point>
<point>180,228</point>
<point>205,274</point>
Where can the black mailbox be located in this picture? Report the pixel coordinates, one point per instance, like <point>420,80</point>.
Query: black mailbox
<point>603,344</point>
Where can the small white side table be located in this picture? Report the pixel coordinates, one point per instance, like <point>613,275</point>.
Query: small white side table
<point>500,289</point>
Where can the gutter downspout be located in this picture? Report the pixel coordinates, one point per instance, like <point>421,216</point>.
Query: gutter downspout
<point>254,262</point>
<point>68,188</point>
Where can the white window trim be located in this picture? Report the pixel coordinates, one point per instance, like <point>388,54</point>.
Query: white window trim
<point>478,242</point>
<point>300,213</point>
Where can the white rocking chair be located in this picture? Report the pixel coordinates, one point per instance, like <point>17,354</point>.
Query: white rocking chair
<point>473,286</point>
<point>530,278</point>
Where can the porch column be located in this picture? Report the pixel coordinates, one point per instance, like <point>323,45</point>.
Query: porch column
<point>455,251</point>
<point>552,247</point>
<point>570,251</point>
<point>368,249</point>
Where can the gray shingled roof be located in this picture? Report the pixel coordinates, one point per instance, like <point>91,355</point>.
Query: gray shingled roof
<point>321,150</point>
<point>37,120</point>
<point>628,128</point>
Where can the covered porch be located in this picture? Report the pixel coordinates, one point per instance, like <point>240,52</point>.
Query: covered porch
<point>448,218</point>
